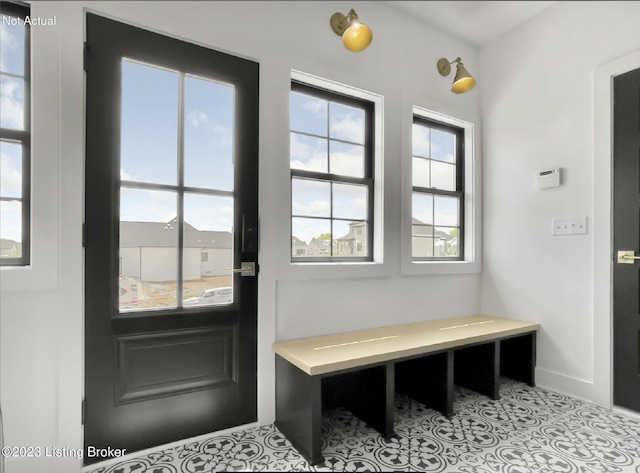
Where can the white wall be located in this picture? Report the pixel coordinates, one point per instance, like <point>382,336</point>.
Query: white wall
<point>42,317</point>
<point>537,98</point>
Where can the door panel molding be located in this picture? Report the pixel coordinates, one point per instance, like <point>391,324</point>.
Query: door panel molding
<point>210,359</point>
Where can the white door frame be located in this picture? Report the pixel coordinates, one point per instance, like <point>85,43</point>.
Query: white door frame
<point>603,226</point>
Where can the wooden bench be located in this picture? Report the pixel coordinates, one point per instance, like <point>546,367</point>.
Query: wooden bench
<point>362,370</point>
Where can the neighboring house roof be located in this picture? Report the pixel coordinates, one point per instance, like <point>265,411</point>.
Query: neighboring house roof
<point>317,243</point>
<point>7,244</point>
<point>420,228</point>
<point>156,234</point>
<point>295,241</point>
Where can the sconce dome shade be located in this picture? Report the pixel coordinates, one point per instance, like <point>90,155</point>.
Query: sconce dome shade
<point>357,37</point>
<point>463,82</point>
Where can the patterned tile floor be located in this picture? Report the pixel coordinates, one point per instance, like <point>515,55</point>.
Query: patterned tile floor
<point>529,430</point>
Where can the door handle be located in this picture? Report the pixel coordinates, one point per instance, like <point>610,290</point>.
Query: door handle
<point>247,269</point>
<point>627,257</point>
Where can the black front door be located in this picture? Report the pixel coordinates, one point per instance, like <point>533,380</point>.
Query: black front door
<point>626,275</point>
<point>170,210</point>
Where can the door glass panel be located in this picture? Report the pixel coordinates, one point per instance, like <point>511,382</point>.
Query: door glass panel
<point>148,249</point>
<point>208,250</point>
<point>208,128</point>
<point>12,102</point>
<point>149,124</point>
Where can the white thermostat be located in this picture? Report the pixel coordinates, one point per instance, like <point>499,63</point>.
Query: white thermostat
<point>548,178</point>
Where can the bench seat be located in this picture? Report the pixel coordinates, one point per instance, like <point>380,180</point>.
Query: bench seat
<point>363,369</point>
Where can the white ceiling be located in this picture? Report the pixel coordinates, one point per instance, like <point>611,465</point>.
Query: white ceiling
<point>478,22</point>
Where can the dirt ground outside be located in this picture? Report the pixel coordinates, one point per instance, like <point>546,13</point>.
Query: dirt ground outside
<point>157,294</point>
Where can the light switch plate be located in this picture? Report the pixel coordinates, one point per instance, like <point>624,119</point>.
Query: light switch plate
<point>569,226</point>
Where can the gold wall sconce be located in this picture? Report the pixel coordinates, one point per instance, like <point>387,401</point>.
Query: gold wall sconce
<point>356,36</point>
<point>463,81</point>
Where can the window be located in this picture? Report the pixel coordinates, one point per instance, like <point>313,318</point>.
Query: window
<point>437,191</point>
<point>15,136</point>
<point>332,176</point>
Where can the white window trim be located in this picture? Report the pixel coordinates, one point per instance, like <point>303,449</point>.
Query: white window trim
<point>472,197</point>
<point>291,270</point>
<point>46,148</point>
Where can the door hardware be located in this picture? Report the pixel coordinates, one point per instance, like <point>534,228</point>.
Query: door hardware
<point>627,257</point>
<point>248,268</point>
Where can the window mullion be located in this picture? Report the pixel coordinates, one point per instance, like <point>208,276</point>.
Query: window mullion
<point>180,210</point>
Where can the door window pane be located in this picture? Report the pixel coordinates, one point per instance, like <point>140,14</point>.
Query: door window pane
<point>148,249</point>
<point>208,147</point>
<point>149,124</point>
<point>308,114</point>
<point>12,51</point>
<point>207,250</point>
<point>12,103</point>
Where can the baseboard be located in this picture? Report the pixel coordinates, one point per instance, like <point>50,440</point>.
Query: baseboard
<point>564,384</point>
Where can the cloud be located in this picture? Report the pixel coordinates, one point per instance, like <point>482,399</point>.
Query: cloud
<point>420,140</point>
<point>11,103</point>
<point>306,157</point>
<point>11,217</point>
<point>315,106</point>
<point>10,177</point>
<point>9,44</point>
<point>197,118</point>
<point>312,208</point>
<point>348,128</point>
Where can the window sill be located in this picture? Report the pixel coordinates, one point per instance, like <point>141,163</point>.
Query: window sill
<point>336,270</point>
<point>424,268</point>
